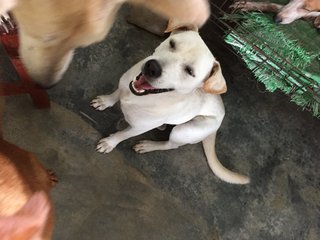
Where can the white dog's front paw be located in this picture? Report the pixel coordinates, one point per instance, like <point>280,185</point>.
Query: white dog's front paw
<point>105,145</point>
<point>102,102</point>
<point>144,146</point>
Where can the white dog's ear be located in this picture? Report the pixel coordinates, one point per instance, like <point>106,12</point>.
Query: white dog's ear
<point>174,26</point>
<point>216,83</point>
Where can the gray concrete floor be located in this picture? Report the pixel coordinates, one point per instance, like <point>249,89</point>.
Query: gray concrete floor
<point>172,194</point>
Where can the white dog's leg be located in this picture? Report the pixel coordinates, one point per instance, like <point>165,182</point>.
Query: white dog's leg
<point>104,101</point>
<point>190,132</point>
<point>107,144</point>
<point>149,146</point>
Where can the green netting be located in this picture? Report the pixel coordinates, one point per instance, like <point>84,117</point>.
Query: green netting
<point>284,57</point>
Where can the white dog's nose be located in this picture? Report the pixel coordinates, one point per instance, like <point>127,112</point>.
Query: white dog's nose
<point>152,69</point>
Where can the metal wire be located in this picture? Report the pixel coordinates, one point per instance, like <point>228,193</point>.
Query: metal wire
<point>234,26</point>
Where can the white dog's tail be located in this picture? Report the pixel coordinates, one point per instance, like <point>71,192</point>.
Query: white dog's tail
<point>218,169</point>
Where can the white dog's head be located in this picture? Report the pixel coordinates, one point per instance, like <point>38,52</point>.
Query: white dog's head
<point>181,63</point>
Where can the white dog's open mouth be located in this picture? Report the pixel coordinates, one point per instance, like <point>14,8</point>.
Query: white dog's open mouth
<point>140,87</point>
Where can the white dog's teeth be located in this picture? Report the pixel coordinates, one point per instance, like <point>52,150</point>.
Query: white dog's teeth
<point>139,91</point>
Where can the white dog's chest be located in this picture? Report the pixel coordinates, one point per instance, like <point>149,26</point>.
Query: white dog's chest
<point>160,109</point>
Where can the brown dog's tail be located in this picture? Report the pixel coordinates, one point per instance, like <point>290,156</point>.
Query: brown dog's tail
<point>218,169</point>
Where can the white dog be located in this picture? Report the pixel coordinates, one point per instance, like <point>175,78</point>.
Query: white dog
<point>180,85</point>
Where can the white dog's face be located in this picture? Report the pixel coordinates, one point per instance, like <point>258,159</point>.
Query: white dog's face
<point>181,63</point>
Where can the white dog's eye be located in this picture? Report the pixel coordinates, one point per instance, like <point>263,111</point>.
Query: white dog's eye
<point>172,44</point>
<point>189,70</point>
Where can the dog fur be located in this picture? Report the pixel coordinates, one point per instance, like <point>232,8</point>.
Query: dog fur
<point>25,207</point>
<point>51,30</point>
<point>179,85</point>
<point>285,14</point>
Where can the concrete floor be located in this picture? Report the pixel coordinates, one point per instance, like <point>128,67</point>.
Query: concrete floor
<point>172,194</point>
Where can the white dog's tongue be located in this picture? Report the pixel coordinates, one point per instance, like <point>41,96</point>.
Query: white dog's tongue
<point>142,84</point>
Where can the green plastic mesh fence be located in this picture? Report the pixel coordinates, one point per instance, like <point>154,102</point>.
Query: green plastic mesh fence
<point>283,57</point>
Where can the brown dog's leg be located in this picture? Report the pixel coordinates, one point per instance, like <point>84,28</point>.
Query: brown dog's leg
<point>281,10</point>
<point>316,23</point>
<point>256,6</point>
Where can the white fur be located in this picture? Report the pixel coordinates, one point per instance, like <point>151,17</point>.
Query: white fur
<point>196,114</point>
<point>297,9</point>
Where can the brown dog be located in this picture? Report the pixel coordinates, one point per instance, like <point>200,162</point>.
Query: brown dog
<point>25,207</point>
<point>51,30</point>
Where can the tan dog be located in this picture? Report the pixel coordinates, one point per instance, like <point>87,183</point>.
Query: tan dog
<point>297,9</point>
<point>25,207</point>
<point>50,30</point>
<point>179,84</point>
<point>285,14</point>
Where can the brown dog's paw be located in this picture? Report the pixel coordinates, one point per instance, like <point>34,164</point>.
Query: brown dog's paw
<point>52,177</point>
<point>317,23</point>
